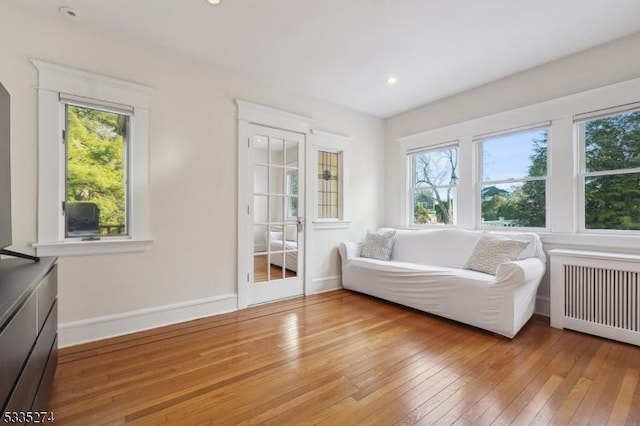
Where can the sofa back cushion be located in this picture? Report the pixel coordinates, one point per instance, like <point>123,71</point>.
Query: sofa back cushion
<point>451,246</point>
<point>446,247</point>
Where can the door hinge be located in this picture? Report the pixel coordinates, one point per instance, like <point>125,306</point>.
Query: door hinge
<point>64,207</point>
<point>248,142</point>
<point>247,277</point>
<point>248,212</point>
<point>64,136</point>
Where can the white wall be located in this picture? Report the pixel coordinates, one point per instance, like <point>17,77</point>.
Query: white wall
<point>615,62</point>
<point>607,64</point>
<point>193,166</point>
<point>194,157</point>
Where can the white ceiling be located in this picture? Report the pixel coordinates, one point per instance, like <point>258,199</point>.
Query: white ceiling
<point>342,51</point>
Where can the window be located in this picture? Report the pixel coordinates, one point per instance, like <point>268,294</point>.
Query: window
<point>328,156</point>
<point>95,198</point>
<point>292,194</point>
<point>610,171</point>
<point>433,184</point>
<point>513,179</point>
<point>329,185</point>
<point>96,172</point>
<point>567,168</point>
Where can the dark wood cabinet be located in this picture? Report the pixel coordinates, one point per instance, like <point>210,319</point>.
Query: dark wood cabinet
<point>28,333</point>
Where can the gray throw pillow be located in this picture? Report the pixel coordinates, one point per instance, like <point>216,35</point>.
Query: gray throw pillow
<point>378,245</point>
<point>492,250</point>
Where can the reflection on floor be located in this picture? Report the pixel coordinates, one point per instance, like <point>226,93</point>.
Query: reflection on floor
<point>260,270</point>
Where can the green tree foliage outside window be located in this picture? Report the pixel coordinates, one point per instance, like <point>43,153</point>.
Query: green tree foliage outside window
<point>531,202</point>
<point>498,203</point>
<point>292,192</point>
<point>96,172</point>
<point>612,200</point>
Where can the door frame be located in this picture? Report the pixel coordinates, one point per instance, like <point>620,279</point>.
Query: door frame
<point>251,113</point>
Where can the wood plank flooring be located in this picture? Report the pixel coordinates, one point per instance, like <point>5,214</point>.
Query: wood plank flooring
<point>342,358</point>
<point>275,272</point>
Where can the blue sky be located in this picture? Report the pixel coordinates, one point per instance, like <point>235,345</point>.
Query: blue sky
<point>507,156</point>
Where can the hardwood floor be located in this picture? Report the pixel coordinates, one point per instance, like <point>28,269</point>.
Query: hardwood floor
<point>341,358</point>
<point>275,272</point>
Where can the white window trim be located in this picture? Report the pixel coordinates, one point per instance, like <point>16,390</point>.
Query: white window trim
<point>54,80</point>
<point>563,175</point>
<point>330,142</point>
<point>579,123</point>
<point>409,187</point>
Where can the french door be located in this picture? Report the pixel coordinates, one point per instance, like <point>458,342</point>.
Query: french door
<point>275,214</point>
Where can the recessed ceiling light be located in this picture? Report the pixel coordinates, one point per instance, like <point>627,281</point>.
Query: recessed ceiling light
<point>69,12</point>
<point>391,80</point>
<point>214,2</point>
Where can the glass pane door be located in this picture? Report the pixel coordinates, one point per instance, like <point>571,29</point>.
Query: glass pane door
<point>277,214</point>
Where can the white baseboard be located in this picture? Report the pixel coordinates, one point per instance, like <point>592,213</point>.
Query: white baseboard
<point>543,305</point>
<point>76,332</point>
<point>319,285</point>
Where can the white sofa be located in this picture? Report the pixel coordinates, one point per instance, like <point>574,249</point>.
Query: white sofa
<point>426,272</point>
<point>284,244</point>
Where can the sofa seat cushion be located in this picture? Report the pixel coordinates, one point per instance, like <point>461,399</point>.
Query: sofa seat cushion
<point>419,274</point>
<point>468,296</point>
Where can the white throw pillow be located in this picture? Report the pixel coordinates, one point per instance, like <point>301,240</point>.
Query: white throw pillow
<point>378,245</point>
<point>291,232</point>
<point>492,250</point>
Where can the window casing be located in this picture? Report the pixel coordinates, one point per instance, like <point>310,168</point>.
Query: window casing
<point>609,173</point>
<point>433,181</point>
<point>513,179</point>
<point>329,203</point>
<point>58,88</point>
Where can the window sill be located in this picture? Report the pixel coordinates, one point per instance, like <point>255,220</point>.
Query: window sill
<point>331,224</point>
<point>429,226</point>
<point>89,248</point>
<point>625,243</point>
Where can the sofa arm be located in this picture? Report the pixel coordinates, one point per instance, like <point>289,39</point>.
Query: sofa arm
<point>527,270</point>
<point>349,250</point>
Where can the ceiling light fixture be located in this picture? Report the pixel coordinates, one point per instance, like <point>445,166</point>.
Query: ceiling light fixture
<point>392,80</point>
<point>214,2</point>
<point>69,12</point>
